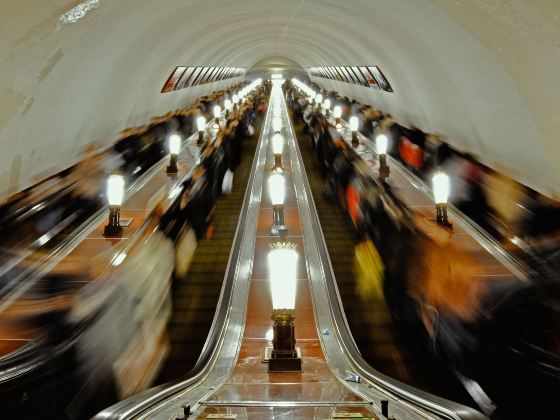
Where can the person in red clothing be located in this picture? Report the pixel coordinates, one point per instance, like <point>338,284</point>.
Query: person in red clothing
<point>411,154</point>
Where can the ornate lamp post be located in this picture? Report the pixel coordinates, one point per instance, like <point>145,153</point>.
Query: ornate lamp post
<point>337,112</point>
<point>277,148</point>
<point>217,112</point>
<point>115,196</point>
<point>201,127</point>
<point>441,187</point>
<point>282,263</point>
<point>277,191</point>
<point>174,149</point>
<point>354,126</point>
<point>381,144</point>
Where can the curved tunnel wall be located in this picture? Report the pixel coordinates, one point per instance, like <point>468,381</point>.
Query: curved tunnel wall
<point>481,73</point>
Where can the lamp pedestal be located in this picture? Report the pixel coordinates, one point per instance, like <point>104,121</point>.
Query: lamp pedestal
<point>200,138</point>
<point>217,122</point>
<point>355,141</point>
<point>277,163</point>
<point>384,170</point>
<point>227,114</point>
<point>278,225</point>
<point>113,228</point>
<point>441,216</point>
<point>172,168</point>
<point>284,357</point>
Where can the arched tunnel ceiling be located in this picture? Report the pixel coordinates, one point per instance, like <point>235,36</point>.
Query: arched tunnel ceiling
<point>484,73</point>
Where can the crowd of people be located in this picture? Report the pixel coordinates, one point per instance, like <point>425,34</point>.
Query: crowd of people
<point>69,197</point>
<point>488,330</point>
<point>100,340</point>
<point>506,209</point>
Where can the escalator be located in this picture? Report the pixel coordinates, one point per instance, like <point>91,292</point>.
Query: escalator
<point>51,370</point>
<point>230,379</point>
<point>196,296</point>
<point>400,354</point>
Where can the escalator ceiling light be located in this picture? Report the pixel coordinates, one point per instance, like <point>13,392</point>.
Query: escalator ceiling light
<point>318,99</point>
<point>228,105</point>
<point>277,189</point>
<point>381,144</point>
<point>327,104</point>
<point>217,111</point>
<point>235,99</point>
<point>354,123</point>
<point>277,144</point>
<point>174,144</point>
<point>115,190</point>
<point>337,111</point>
<point>441,187</point>
<point>282,266</point>
<point>201,123</point>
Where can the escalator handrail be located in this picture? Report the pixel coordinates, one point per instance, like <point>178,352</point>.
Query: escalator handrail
<point>143,401</point>
<point>432,403</point>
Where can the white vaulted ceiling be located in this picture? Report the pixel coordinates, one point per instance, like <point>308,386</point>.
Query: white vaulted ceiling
<point>484,73</point>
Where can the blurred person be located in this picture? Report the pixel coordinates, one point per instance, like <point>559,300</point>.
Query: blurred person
<point>448,287</point>
<point>542,217</point>
<point>457,167</point>
<point>474,203</point>
<point>90,178</point>
<point>368,122</point>
<point>508,199</point>
<point>411,155</point>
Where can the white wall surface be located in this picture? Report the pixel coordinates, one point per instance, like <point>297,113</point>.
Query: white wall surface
<point>484,73</point>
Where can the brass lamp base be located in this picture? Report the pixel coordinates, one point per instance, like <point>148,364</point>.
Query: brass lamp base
<point>278,225</point>
<point>113,228</point>
<point>277,164</point>
<point>441,216</point>
<point>112,231</point>
<point>384,170</point>
<point>284,356</point>
<point>355,141</point>
<point>292,364</point>
<point>172,168</point>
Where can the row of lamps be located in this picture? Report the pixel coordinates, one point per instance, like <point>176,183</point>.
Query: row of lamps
<point>440,180</point>
<point>116,182</point>
<point>282,259</point>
